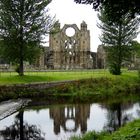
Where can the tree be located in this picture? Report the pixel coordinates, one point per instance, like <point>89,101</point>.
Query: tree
<point>114,9</point>
<point>117,39</point>
<point>22,26</point>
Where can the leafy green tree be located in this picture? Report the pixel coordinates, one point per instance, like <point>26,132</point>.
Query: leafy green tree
<point>114,9</point>
<point>23,23</point>
<point>117,39</point>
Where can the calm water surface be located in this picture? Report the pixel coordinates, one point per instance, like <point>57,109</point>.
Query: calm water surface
<point>59,122</point>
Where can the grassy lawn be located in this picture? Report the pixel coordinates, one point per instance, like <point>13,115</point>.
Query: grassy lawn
<point>13,78</point>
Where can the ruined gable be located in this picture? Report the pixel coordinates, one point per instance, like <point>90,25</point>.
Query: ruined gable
<point>70,51</point>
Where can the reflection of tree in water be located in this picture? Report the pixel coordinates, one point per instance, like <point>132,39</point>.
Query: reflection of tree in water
<point>21,131</point>
<point>116,116</point>
<point>78,114</point>
<point>138,111</point>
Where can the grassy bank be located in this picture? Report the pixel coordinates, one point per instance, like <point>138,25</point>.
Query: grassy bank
<point>98,88</point>
<point>89,86</point>
<point>130,131</point>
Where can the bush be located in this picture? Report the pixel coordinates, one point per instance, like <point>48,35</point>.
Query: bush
<point>115,69</point>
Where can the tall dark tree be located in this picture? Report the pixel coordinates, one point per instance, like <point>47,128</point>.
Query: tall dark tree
<point>115,8</point>
<point>22,26</point>
<point>117,39</point>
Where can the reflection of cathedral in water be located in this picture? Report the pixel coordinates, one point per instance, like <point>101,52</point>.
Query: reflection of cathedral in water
<point>77,114</point>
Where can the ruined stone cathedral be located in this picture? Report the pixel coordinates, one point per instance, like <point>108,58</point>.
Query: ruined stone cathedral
<point>69,51</point>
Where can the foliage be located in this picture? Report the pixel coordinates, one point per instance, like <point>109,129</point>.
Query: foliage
<point>117,39</point>
<point>22,26</point>
<point>56,28</point>
<point>114,9</point>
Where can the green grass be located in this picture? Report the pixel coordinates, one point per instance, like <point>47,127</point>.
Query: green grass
<point>13,78</point>
<point>131,131</point>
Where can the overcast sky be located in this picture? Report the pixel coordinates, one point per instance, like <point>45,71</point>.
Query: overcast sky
<point>68,12</point>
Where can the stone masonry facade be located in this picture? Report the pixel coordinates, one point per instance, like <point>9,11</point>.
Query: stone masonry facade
<point>69,51</point>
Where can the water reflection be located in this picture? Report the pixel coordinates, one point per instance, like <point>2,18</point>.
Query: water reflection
<point>59,122</point>
<point>117,116</point>
<point>78,114</point>
<point>20,130</point>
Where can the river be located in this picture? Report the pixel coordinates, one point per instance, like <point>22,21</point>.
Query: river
<point>61,121</point>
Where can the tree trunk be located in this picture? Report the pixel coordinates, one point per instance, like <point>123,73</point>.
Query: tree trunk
<point>21,68</point>
<point>119,115</point>
<point>21,71</point>
<point>21,125</point>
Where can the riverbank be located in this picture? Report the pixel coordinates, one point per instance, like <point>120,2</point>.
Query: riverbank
<point>130,131</point>
<point>82,90</point>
